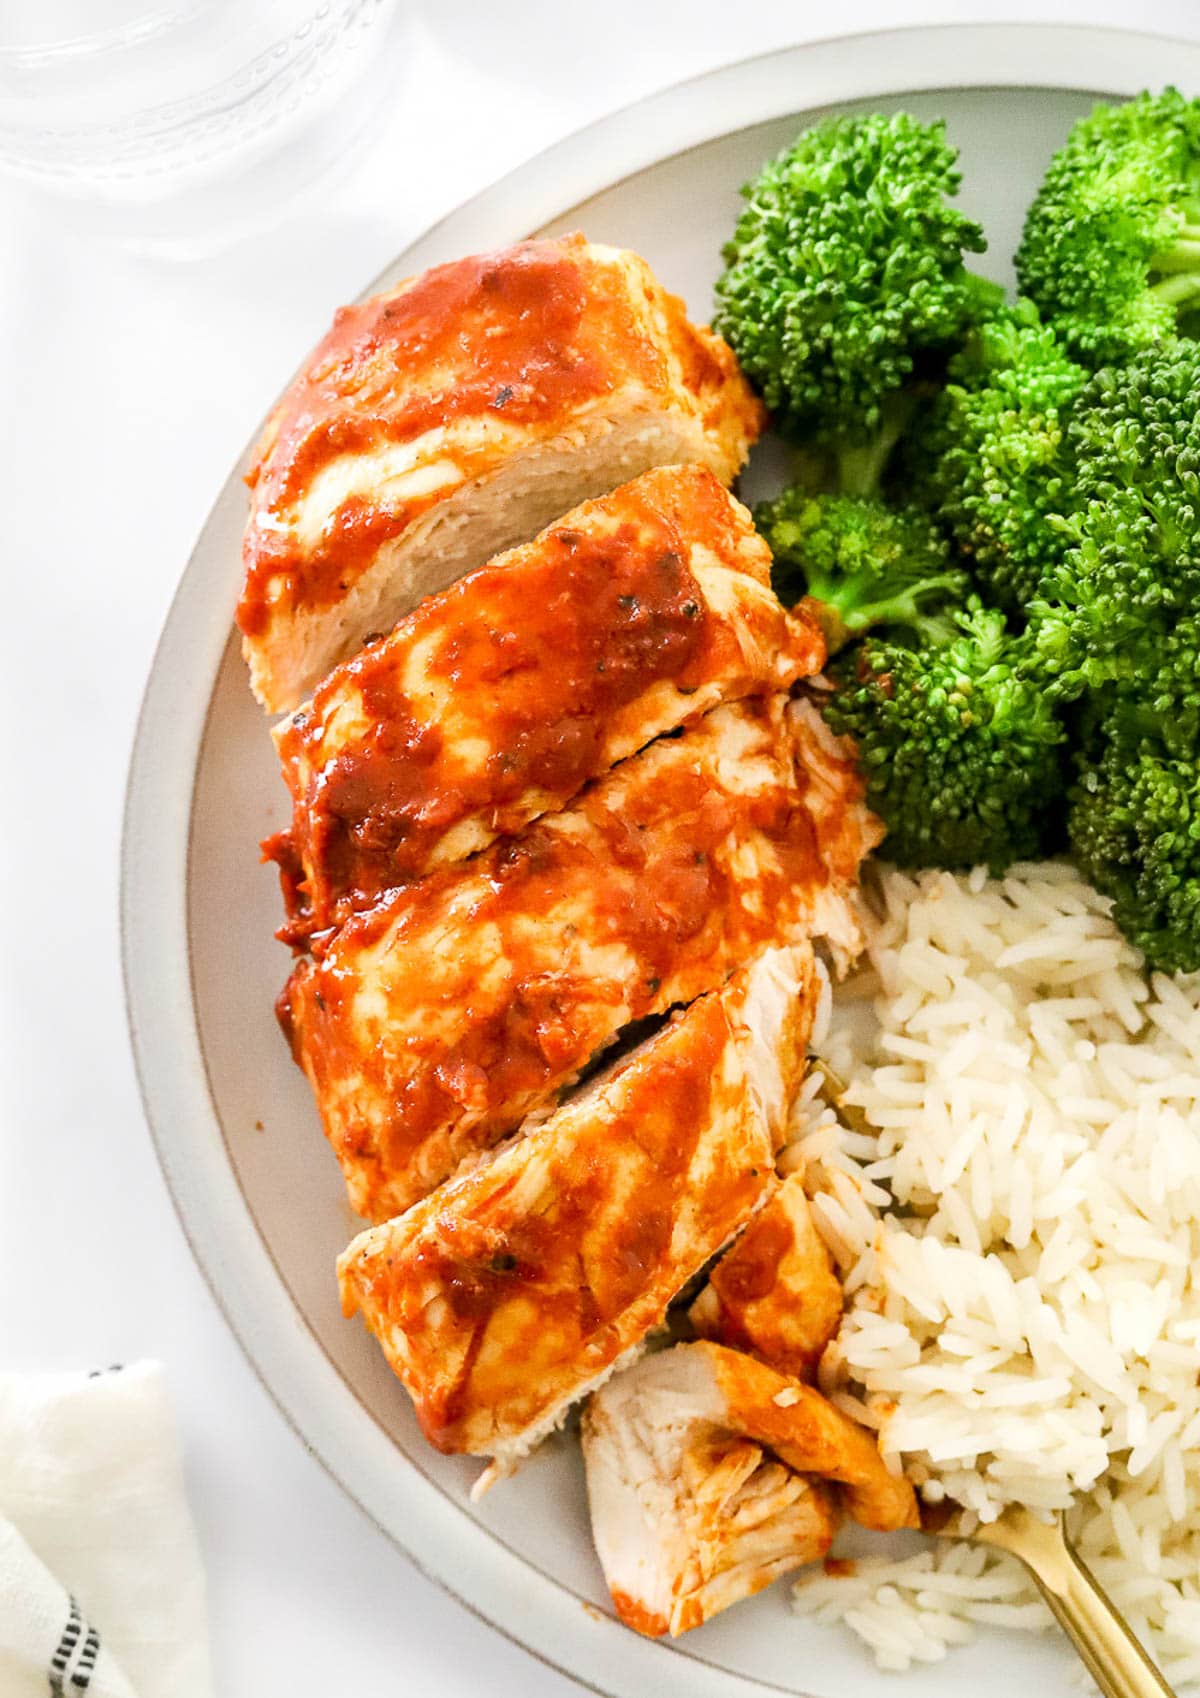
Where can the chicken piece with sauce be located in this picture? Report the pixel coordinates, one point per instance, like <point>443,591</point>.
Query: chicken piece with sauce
<point>775,1292</point>
<point>709,1475</point>
<point>454,416</point>
<point>517,1287</point>
<point>497,700</point>
<point>436,1021</point>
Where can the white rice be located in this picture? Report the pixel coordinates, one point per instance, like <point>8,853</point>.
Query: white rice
<point>1017,1235</point>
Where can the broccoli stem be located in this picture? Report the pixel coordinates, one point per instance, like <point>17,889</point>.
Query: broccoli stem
<point>861,465</point>
<point>1180,256</point>
<point>1177,289</point>
<point>850,618</point>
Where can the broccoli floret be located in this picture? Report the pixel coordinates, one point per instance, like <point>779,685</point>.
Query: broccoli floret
<point>985,301</point>
<point>865,563</point>
<point>1162,695</point>
<point>1116,626</point>
<point>845,268</point>
<point>1132,567</point>
<point>988,456</point>
<point>961,752</point>
<point>1134,826</point>
<point>1111,247</point>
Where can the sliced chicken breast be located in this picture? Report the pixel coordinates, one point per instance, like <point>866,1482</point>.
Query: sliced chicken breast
<point>455,416</point>
<point>846,830</point>
<point>435,1022</point>
<point>775,1292</point>
<point>515,1288</point>
<point>497,700</point>
<point>709,1475</point>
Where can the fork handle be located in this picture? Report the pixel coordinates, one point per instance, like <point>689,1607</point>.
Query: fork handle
<point>1117,1661</point>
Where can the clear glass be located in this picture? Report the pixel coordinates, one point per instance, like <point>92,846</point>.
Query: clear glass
<point>180,123</point>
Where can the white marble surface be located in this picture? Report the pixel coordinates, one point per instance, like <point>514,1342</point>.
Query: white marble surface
<point>127,387</point>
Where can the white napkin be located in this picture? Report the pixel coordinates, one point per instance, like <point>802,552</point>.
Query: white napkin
<point>101,1586</point>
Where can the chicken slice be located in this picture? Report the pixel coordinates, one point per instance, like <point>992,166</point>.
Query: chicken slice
<point>497,700</point>
<point>436,1021</point>
<point>520,1285</point>
<point>832,788</point>
<point>709,1475</point>
<point>774,1292</point>
<point>455,416</point>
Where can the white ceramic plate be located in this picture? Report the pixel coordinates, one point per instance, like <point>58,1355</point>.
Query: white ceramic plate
<point>259,1195</point>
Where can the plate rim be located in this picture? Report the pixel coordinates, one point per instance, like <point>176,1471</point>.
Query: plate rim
<point>497,1585</point>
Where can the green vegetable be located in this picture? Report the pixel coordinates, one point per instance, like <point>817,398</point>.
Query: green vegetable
<point>867,564</point>
<point>989,459</point>
<point>1134,824</point>
<point>1111,248</point>
<point>960,749</point>
<point>1132,568</point>
<point>846,270</point>
<point>1046,454</point>
<point>1117,627</point>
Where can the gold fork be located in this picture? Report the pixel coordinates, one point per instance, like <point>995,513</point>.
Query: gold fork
<point>1115,1658</point>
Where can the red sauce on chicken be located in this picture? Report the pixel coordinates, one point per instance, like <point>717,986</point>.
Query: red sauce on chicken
<point>523,334</point>
<point>500,698</point>
<point>657,880</point>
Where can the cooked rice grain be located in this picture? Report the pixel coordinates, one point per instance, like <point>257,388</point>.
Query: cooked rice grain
<point>1017,1240</point>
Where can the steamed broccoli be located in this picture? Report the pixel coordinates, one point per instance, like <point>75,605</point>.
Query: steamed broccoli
<point>989,459</point>
<point>961,752</point>
<point>865,563</point>
<point>1164,689</point>
<point>1132,568</point>
<point>846,269</point>
<point>1134,824</point>
<point>937,429</point>
<point>1111,248</point>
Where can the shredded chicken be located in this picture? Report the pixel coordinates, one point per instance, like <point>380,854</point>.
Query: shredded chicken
<point>709,1475</point>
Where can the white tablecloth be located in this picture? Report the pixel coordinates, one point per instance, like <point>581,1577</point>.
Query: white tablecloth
<point>126,388</point>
